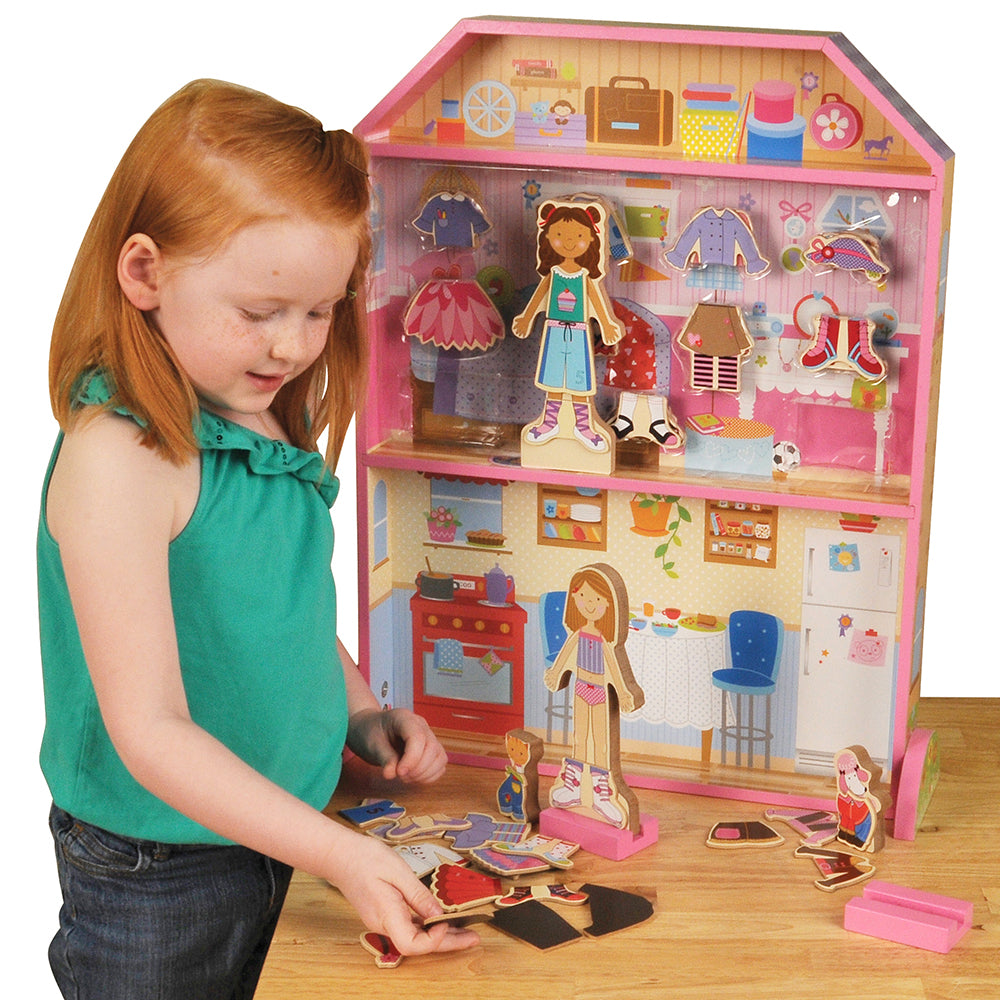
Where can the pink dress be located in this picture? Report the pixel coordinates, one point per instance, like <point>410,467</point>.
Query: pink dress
<point>451,311</point>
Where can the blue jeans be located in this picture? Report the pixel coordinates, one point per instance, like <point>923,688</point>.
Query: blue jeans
<point>148,921</point>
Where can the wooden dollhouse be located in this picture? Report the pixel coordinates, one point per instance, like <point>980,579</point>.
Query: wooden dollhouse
<point>775,228</point>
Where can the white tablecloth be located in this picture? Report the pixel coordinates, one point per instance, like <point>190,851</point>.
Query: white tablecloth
<point>675,672</point>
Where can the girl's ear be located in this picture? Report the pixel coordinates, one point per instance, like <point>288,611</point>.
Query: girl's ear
<point>140,270</point>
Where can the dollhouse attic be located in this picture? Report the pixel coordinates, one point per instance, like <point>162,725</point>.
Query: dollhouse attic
<point>502,69</point>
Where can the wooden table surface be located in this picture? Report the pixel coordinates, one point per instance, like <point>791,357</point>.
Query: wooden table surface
<point>726,924</point>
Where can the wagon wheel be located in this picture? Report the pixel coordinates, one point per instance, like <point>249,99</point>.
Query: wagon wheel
<point>489,108</point>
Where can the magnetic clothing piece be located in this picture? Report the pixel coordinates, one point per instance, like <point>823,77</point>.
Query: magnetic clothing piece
<point>633,367</point>
<point>614,909</point>
<point>256,621</point>
<point>453,220</point>
<point>536,924</point>
<point>566,355</point>
<point>716,338</point>
<point>714,237</point>
<point>453,312</point>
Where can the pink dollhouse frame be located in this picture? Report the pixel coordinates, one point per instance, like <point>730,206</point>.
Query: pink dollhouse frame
<point>798,130</point>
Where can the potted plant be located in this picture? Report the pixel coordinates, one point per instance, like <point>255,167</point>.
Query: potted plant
<point>441,524</point>
<point>659,516</point>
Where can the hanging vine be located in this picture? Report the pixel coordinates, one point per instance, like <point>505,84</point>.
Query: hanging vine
<point>660,516</point>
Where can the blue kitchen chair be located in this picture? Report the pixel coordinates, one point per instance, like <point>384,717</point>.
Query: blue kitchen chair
<point>755,644</point>
<point>551,608</point>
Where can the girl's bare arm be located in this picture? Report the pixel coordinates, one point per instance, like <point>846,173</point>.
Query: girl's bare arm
<point>113,508</point>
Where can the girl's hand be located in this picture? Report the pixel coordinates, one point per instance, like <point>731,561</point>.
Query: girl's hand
<point>400,743</point>
<point>392,901</point>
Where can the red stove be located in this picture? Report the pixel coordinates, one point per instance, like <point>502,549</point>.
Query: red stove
<point>468,660</point>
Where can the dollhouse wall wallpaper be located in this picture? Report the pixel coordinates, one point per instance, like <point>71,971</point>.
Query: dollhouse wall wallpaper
<point>680,601</point>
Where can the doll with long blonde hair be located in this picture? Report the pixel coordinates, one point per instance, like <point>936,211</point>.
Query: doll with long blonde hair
<point>198,701</point>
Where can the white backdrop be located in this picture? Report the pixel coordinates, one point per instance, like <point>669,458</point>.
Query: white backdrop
<point>80,78</point>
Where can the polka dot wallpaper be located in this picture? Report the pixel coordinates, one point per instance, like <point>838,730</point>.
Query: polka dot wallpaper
<point>691,583</point>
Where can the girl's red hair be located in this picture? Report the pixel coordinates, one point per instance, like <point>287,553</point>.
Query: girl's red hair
<point>211,160</point>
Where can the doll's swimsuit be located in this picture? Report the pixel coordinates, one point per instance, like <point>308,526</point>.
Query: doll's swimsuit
<point>590,657</point>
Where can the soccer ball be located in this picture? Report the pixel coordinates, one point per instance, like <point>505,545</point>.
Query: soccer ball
<point>786,456</point>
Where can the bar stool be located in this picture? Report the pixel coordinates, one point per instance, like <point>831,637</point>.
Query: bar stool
<point>756,640</point>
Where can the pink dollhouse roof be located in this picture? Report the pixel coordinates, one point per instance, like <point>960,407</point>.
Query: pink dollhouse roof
<point>524,65</point>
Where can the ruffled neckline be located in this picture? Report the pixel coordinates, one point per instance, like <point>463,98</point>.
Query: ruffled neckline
<point>265,455</point>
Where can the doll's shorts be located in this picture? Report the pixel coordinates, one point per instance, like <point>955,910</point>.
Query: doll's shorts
<point>566,360</point>
<point>177,922</point>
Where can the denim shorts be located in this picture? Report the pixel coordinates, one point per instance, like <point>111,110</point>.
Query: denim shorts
<point>148,921</point>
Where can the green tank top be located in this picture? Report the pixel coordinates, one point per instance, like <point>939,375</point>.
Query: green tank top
<point>256,619</point>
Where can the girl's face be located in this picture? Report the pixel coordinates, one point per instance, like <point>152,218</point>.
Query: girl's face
<point>257,313</point>
<point>591,604</point>
<point>569,239</point>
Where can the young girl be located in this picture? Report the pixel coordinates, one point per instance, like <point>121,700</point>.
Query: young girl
<point>596,619</point>
<point>570,259</point>
<point>197,699</point>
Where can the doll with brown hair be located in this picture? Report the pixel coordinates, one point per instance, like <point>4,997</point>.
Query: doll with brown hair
<point>198,701</point>
<point>571,255</point>
<point>596,619</point>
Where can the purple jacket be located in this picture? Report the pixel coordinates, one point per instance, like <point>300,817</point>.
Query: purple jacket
<point>717,238</point>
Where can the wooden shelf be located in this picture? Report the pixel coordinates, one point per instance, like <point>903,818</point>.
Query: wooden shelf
<point>741,534</point>
<point>563,522</point>
<point>807,488</point>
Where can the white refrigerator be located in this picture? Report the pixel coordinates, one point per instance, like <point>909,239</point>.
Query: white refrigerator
<point>847,655</point>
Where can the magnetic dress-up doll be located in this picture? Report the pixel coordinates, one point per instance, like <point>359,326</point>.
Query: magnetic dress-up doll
<point>596,619</point>
<point>860,800</point>
<point>571,254</point>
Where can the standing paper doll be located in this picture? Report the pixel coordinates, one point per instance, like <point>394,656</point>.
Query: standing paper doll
<point>861,800</point>
<point>570,297</point>
<point>596,619</point>
<point>517,795</point>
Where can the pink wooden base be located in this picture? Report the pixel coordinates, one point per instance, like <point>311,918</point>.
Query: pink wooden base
<point>909,916</point>
<point>597,837</point>
<point>911,784</point>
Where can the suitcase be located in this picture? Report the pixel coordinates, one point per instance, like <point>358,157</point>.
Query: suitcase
<point>628,112</point>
